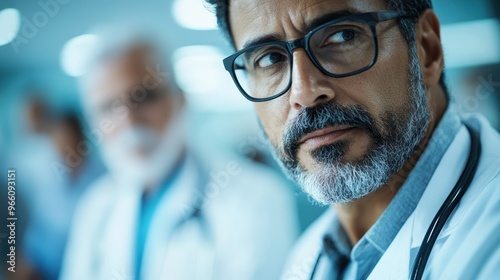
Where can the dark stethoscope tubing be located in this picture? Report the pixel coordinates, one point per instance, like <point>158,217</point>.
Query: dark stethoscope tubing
<point>444,211</point>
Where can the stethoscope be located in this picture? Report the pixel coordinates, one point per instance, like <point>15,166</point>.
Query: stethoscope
<point>443,213</point>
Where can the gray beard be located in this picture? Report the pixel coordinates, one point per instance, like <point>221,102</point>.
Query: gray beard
<point>335,181</point>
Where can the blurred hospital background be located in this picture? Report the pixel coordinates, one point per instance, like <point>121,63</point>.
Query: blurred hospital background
<point>44,46</point>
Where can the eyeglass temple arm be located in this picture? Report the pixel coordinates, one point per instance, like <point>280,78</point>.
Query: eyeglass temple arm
<point>393,15</point>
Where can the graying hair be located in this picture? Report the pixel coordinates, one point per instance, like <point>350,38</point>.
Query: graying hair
<point>115,41</point>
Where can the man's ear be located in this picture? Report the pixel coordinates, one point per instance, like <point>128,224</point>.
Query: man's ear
<point>429,48</point>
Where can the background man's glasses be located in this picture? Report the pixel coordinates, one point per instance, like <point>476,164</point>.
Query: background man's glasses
<point>340,48</point>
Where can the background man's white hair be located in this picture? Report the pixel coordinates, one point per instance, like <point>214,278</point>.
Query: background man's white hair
<point>114,41</point>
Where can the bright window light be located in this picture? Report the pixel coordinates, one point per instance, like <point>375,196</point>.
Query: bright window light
<point>76,54</point>
<point>192,14</point>
<point>197,68</point>
<point>200,74</point>
<point>10,21</point>
<point>471,43</point>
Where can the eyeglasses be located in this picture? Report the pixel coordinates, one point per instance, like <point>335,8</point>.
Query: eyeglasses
<point>340,48</point>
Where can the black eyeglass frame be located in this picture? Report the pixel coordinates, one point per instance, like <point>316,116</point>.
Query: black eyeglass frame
<point>369,18</point>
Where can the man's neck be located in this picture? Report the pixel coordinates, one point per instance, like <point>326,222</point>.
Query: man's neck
<point>358,216</point>
<point>152,186</point>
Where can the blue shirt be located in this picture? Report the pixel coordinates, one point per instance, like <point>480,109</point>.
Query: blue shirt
<point>357,262</point>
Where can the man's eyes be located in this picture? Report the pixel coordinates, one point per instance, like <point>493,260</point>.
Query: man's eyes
<point>144,97</point>
<point>141,97</point>
<point>269,59</point>
<point>341,36</point>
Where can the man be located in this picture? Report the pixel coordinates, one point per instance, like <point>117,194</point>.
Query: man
<point>57,179</point>
<point>47,137</point>
<point>162,212</point>
<point>350,95</point>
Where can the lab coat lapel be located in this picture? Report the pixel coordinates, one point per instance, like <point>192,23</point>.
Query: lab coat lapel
<point>176,205</point>
<point>116,252</point>
<point>301,264</point>
<point>394,262</point>
<point>442,182</point>
<point>397,261</point>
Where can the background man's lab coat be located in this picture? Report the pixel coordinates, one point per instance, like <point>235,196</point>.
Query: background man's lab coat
<point>244,231</point>
<point>468,246</point>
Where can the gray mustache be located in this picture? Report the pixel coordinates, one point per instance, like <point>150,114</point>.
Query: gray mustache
<point>324,115</point>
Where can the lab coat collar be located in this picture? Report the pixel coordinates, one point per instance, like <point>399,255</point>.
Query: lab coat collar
<point>176,206</point>
<point>441,184</point>
<point>176,203</point>
<point>402,251</point>
<point>119,233</point>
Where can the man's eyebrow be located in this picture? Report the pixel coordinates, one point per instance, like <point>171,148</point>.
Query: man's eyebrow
<point>260,40</point>
<point>329,17</point>
<point>309,26</point>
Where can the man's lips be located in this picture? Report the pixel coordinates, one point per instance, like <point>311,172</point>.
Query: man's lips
<point>325,135</point>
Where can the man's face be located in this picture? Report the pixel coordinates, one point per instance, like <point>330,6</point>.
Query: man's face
<point>337,136</point>
<point>126,91</point>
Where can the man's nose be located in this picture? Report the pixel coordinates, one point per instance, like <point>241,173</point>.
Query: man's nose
<point>134,116</point>
<point>309,85</point>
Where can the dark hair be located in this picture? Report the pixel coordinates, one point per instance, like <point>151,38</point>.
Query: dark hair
<point>407,26</point>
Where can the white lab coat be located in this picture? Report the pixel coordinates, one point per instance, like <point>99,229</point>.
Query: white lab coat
<point>251,225</point>
<point>468,247</point>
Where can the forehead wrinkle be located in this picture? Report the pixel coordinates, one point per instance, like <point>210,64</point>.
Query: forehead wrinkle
<point>309,15</point>
<point>288,20</point>
<point>298,18</point>
<point>306,12</point>
<point>256,12</point>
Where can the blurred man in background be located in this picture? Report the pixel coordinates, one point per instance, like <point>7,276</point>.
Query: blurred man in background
<point>54,177</point>
<point>162,212</point>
